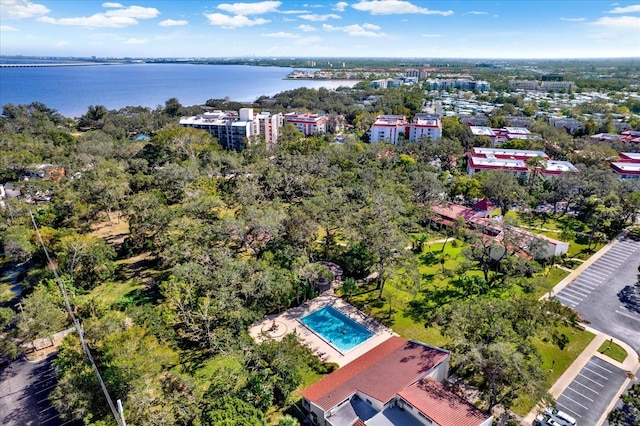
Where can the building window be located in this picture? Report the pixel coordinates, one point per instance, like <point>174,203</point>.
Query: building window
<point>368,401</point>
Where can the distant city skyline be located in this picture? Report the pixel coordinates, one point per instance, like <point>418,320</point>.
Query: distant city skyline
<point>361,28</point>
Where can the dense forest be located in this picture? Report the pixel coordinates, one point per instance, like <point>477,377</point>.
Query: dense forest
<point>208,241</point>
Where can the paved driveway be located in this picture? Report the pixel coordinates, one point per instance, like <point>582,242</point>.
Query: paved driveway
<point>598,293</point>
<point>24,390</point>
<point>589,394</point>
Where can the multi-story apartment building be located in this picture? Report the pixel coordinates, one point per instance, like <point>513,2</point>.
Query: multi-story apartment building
<point>425,126</point>
<point>308,124</point>
<point>389,128</point>
<point>554,86</point>
<point>231,129</point>
<point>269,125</point>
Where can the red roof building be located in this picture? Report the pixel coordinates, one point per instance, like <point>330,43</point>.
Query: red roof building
<point>367,390</point>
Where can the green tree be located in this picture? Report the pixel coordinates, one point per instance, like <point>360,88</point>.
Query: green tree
<point>88,260</point>
<point>629,412</point>
<point>42,313</point>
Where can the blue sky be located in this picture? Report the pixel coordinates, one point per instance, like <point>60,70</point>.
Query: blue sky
<point>356,28</point>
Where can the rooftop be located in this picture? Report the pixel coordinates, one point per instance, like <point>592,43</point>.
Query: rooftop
<point>508,152</point>
<point>481,131</point>
<point>627,168</point>
<point>503,163</point>
<point>379,373</point>
<point>442,406</point>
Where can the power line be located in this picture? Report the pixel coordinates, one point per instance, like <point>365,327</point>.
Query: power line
<point>76,323</point>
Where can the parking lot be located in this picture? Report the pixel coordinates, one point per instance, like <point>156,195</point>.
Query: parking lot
<point>24,390</point>
<point>597,293</point>
<point>589,394</point>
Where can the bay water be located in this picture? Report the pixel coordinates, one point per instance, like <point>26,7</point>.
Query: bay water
<point>72,89</point>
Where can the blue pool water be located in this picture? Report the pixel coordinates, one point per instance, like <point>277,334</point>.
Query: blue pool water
<point>336,328</point>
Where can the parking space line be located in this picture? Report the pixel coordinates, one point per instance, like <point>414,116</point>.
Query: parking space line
<point>599,366</point>
<point>580,374</point>
<point>590,280</point>
<point>628,315</point>
<point>585,284</point>
<point>46,409</point>
<point>596,274</point>
<point>50,418</point>
<point>574,401</point>
<point>565,408</point>
<point>606,267</point>
<point>45,389</point>
<point>586,387</point>
<point>568,296</point>
<point>579,292</point>
<point>585,397</point>
<point>597,374</point>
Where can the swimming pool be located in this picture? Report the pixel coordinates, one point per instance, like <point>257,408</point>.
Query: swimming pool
<point>336,328</point>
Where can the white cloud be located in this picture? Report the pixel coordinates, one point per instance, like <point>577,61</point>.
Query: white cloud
<point>116,18</point>
<point>395,7</point>
<point>281,34</point>
<point>475,12</point>
<point>250,8</point>
<point>627,9</point>
<point>619,22</point>
<point>172,23</point>
<point>21,9</point>
<point>340,6</point>
<point>8,28</point>
<point>573,19</point>
<point>306,28</point>
<point>137,12</point>
<point>432,35</point>
<point>62,43</point>
<point>293,12</point>
<point>108,4</point>
<point>356,30</point>
<point>319,18</point>
<point>312,5</point>
<point>230,22</point>
<point>135,40</point>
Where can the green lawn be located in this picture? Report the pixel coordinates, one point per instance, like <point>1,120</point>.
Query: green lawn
<point>613,351</point>
<point>438,291</point>
<point>555,360</point>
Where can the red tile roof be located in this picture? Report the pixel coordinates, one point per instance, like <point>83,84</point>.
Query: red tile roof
<point>359,422</point>
<point>442,406</point>
<point>379,373</point>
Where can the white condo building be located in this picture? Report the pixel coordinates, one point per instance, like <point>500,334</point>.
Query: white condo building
<point>389,128</point>
<point>232,129</point>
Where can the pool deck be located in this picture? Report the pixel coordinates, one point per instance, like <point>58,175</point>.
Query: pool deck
<point>288,322</point>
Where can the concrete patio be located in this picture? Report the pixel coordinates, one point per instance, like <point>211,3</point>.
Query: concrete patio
<point>277,326</point>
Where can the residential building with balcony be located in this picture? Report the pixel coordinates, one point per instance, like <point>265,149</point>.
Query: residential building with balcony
<point>231,129</point>
<point>308,124</point>
<point>389,128</point>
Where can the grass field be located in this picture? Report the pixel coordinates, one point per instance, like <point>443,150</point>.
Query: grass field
<point>437,290</point>
<point>613,351</point>
<point>555,360</point>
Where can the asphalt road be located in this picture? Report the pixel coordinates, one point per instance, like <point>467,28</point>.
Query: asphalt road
<point>589,394</point>
<point>24,390</point>
<point>598,293</point>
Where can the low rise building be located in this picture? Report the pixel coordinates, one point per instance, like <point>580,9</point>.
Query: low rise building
<point>516,161</point>
<point>396,383</point>
<point>628,167</point>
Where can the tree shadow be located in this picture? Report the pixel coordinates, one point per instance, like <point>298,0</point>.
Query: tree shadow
<point>630,297</point>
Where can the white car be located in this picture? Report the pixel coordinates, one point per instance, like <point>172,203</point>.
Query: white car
<point>560,417</point>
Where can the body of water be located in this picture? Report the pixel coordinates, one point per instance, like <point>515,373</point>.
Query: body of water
<point>71,89</point>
